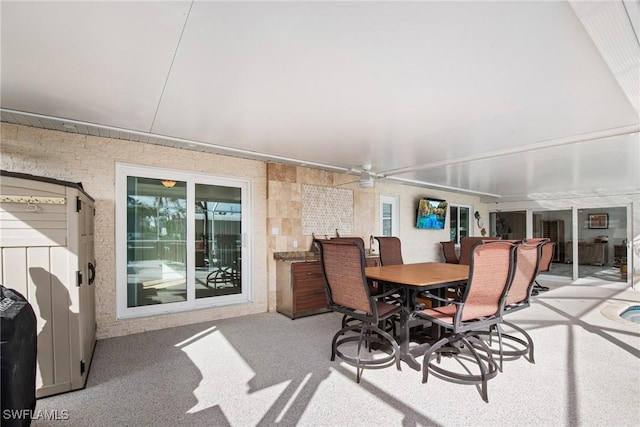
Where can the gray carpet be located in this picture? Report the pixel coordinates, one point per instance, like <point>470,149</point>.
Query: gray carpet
<point>264,370</point>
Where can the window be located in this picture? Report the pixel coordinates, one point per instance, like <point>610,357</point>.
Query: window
<point>389,217</point>
<point>181,240</point>
<point>459,222</point>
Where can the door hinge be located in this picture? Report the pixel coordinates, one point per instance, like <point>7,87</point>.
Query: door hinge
<point>82,367</point>
<point>78,278</point>
<point>78,204</point>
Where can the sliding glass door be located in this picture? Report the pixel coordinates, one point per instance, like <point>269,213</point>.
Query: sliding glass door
<point>180,239</point>
<point>156,242</point>
<point>509,225</point>
<point>556,226</point>
<point>218,240</point>
<point>459,222</point>
<point>601,247</point>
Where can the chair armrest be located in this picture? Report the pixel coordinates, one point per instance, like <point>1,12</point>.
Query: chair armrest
<point>437,298</point>
<point>399,295</point>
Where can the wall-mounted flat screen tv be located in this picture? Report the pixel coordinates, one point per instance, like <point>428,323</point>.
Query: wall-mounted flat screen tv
<point>432,214</point>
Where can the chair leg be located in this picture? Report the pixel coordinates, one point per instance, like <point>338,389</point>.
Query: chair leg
<point>527,343</point>
<point>363,331</point>
<point>427,356</point>
<point>499,345</point>
<point>470,345</point>
<point>539,287</point>
<point>488,370</point>
<point>367,334</point>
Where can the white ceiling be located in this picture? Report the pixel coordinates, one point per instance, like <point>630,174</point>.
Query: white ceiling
<point>511,99</point>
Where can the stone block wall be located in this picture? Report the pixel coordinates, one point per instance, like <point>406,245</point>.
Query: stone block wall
<point>91,160</point>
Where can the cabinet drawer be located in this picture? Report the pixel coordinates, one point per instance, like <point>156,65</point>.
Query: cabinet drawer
<point>300,270</point>
<point>307,277</point>
<point>310,302</point>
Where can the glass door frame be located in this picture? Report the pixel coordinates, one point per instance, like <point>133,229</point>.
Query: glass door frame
<point>122,171</point>
<point>601,203</point>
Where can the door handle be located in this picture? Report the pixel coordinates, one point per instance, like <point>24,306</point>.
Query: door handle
<point>92,273</point>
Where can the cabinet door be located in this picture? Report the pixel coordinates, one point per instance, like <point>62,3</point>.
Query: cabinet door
<point>86,265</point>
<point>310,303</point>
<point>88,301</point>
<point>307,277</point>
<point>309,295</point>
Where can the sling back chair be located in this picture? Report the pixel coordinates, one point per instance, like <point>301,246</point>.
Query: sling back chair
<point>526,264</point>
<point>390,250</point>
<point>374,289</point>
<point>347,239</point>
<point>348,292</point>
<point>548,249</point>
<point>481,305</point>
<point>466,244</point>
<point>449,252</point>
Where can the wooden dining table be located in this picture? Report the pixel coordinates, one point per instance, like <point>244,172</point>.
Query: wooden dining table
<point>434,277</point>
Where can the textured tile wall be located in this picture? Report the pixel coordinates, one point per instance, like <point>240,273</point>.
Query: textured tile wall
<point>91,160</point>
<point>327,210</point>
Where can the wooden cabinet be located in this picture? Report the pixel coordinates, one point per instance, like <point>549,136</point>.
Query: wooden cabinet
<point>554,231</point>
<point>589,253</point>
<point>47,254</point>
<point>619,253</point>
<point>300,287</point>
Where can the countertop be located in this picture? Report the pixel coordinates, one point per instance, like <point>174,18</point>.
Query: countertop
<point>297,256</point>
<point>307,256</point>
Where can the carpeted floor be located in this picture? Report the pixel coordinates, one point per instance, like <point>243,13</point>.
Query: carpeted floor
<point>265,370</point>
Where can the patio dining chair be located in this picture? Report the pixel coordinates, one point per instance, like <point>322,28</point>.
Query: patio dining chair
<point>548,249</point>
<point>526,264</point>
<point>374,289</point>
<point>449,252</point>
<point>343,266</point>
<point>466,245</point>
<point>390,249</point>
<point>490,273</point>
<point>347,239</point>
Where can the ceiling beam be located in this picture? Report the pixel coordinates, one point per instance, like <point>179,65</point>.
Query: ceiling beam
<point>558,142</point>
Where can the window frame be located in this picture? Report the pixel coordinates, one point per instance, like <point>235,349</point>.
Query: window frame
<point>394,201</point>
<point>124,170</point>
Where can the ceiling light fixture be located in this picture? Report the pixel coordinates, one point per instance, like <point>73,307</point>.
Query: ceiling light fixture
<point>366,179</point>
<point>168,183</point>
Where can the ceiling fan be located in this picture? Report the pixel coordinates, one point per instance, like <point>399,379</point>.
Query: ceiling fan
<point>366,176</point>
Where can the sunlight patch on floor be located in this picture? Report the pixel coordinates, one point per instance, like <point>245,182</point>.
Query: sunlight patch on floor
<point>225,376</point>
<point>293,398</point>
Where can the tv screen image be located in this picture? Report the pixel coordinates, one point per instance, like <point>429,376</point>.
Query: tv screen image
<point>432,214</point>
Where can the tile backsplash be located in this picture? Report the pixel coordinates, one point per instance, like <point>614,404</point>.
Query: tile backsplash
<point>327,209</point>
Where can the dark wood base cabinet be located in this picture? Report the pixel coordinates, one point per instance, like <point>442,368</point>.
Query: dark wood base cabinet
<point>300,289</point>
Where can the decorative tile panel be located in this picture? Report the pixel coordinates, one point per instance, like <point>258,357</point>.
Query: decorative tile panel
<point>325,209</point>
